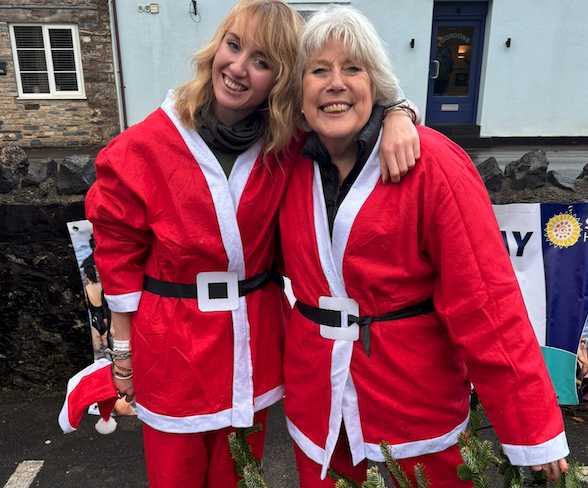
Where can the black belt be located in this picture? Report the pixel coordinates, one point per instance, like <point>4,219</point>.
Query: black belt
<point>216,290</point>
<point>332,318</point>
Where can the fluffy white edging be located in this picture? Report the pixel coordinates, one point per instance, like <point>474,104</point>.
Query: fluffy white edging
<point>107,427</point>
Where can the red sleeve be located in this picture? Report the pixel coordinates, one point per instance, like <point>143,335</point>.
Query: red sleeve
<point>116,206</point>
<point>478,298</point>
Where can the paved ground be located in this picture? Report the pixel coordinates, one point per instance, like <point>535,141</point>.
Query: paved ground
<point>86,459</point>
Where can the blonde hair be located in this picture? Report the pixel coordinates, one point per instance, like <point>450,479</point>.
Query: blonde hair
<point>360,41</point>
<point>278,26</point>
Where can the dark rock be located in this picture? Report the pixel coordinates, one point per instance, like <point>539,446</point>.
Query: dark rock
<point>584,173</point>
<point>7,181</point>
<point>39,172</point>
<point>74,175</point>
<point>528,172</point>
<point>560,181</point>
<point>491,174</point>
<point>15,160</point>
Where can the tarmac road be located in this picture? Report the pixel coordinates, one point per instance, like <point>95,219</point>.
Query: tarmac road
<point>86,459</point>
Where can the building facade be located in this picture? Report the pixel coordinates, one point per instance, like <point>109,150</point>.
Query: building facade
<point>494,69</point>
<point>57,80</point>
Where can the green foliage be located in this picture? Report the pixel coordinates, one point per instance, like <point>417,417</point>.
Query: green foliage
<point>572,478</point>
<point>246,465</point>
<point>374,479</point>
<point>395,469</point>
<point>421,476</point>
<point>342,480</point>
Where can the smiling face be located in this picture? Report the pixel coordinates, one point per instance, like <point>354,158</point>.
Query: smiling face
<point>337,96</point>
<point>242,77</point>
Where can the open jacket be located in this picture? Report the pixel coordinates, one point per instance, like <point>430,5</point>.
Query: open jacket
<point>432,235</point>
<point>163,207</point>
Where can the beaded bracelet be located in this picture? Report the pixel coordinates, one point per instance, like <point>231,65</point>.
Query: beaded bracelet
<point>120,355</point>
<point>118,366</point>
<point>120,376</point>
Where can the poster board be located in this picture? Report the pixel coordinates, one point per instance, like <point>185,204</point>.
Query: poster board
<point>99,315</point>
<point>548,247</point>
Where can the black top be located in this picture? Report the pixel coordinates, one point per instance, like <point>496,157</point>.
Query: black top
<point>316,151</point>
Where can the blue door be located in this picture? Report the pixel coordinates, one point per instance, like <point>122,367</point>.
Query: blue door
<point>456,58</point>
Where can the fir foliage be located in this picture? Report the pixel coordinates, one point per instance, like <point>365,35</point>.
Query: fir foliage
<point>374,479</point>
<point>421,476</point>
<point>342,480</point>
<point>395,469</point>
<point>246,465</point>
<point>574,477</point>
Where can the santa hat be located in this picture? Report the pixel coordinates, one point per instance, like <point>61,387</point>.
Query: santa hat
<point>92,384</point>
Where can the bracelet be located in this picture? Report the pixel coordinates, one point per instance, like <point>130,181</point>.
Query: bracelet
<point>118,366</point>
<point>120,355</point>
<point>120,376</point>
<point>407,107</point>
<point>121,345</point>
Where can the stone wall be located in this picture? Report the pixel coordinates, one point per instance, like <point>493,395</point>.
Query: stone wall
<point>44,329</point>
<point>61,123</point>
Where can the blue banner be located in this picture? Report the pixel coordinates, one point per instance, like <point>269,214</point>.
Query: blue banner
<point>548,247</point>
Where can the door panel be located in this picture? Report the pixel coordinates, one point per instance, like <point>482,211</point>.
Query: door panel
<point>454,77</point>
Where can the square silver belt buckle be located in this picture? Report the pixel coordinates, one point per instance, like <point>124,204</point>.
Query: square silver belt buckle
<point>207,281</point>
<point>346,306</point>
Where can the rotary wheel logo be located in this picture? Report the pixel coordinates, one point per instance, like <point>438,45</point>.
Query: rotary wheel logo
<point>563,230</point>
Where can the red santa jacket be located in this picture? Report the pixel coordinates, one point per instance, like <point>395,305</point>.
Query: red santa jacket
<point>395,245</point>
<point>162,207</point>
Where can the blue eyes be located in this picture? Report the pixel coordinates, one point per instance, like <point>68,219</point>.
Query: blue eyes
<point>261,63</point>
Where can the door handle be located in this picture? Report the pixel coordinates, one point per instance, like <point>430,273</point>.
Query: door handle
<point>437,66</point>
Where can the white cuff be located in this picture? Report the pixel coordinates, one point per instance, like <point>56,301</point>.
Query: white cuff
<point>547,452</point>
<point>129,302</point>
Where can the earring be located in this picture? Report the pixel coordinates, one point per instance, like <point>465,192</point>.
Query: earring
<point>302,111</point>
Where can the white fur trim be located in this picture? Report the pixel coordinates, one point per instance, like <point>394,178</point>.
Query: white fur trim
<point>226,195</point>
<point>331,257</point>
<point>309,448</point>
<point>106,427</point>
<point>71,385</point>
<point>269,398</point>
<point>417,448</point>
<point>128,302</point>
<point>203,423</point>
<point>547,452</point>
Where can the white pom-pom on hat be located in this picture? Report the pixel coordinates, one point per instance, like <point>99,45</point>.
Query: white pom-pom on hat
<point>91,385</point>
<point>106,427</point>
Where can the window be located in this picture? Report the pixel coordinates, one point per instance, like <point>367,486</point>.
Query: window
<point>47,60</point>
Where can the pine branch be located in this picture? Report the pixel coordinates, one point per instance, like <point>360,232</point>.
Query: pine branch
<point>347,482</point>
<point>374,479</point>
<point>395,469</point>
<point>246,465</point>
<point>236,453</point>
<point>420,474</point>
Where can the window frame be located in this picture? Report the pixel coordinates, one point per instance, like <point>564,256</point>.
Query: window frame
<point>53,94</point>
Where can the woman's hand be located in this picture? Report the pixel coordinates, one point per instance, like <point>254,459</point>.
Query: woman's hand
<point>552,470</point>
<point>400,147</point>
<point>125,387</point>
<point>583,352</point>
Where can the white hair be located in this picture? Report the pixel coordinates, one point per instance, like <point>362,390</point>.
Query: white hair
<point>360,41</point>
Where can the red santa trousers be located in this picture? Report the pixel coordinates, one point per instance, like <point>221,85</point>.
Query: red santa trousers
<point>196,460</point>
<point>441,467</point>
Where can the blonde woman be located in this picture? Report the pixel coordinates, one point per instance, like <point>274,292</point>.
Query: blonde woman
<point>184,212</point>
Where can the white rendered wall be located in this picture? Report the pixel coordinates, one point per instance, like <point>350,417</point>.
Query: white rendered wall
<point>157,49</point>
<point>398,22</point>
<point>537,87</point>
